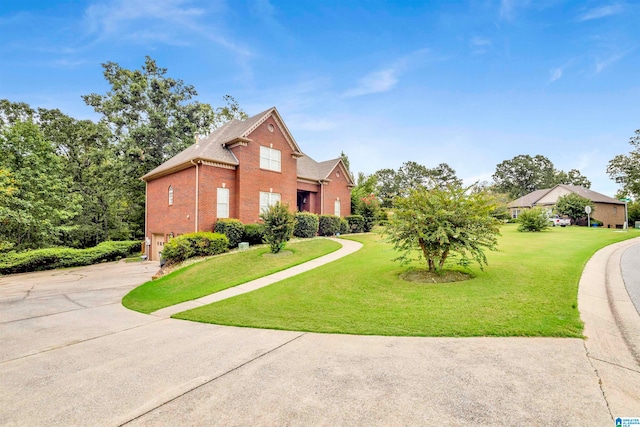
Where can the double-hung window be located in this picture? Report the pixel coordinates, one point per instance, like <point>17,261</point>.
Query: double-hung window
<point>268,199</point>
<point>336,208</point>
<point>269,159</point>
<point>223,203</point>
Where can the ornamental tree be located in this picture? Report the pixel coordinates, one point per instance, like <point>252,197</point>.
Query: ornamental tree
<point>278,226</point>
<point>572,205</point>
<point>443,221</point>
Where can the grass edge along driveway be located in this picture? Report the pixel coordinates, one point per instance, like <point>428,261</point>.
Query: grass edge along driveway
<point>222,272</point>
<point>529,288</point>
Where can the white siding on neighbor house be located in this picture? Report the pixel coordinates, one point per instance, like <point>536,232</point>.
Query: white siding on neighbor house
<point>551,198</point>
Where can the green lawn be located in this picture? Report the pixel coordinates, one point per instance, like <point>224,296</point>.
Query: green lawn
<point>220,273</point>
<point>528,289</point>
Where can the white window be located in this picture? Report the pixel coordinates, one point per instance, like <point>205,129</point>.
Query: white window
<point>170,195</point>
<point>268,199</point>
<point>515,213</point>
<point>336,208</point>
<point>269,159</point>
<point>223,203</point>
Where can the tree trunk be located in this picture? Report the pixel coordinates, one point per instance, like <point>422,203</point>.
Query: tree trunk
<point>443,258</point>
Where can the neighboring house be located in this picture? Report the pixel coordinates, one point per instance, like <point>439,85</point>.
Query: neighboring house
<point>236,172</point>
<point>606,209</point>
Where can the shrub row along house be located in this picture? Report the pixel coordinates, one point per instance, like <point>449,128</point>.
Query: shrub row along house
<point>606,209</point>
<point>235,172</point>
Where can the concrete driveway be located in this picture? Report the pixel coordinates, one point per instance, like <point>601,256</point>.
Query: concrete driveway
<point>70,354</point>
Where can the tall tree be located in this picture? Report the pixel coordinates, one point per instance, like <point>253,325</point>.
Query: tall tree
<point>387,186</point>
<point>624,169</point>
<point>86,156</point>
<point>413,175</point>
<point>443,175</point>
<point>152,118</point>
<point>524,174</point>
<point>37,200</point>
<point>573,177</point>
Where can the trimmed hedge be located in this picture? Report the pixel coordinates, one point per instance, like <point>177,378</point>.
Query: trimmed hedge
<point>306,225</point>
<point>329,225</point>
<point>356,223</point>
<point>51,258</point>
<point>344,226</point>
<point>253,233</point>
<point>190,245</point>
<point>232,228</point>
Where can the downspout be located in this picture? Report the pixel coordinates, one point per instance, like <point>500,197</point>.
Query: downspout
<point>146,219</point>
<point>321,198</point>
<point>197,192</point>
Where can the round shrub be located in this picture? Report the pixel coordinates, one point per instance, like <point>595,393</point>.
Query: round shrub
<point>535,219</point>
<point>356,223</point>
<point>306,225</point>
<point>328,225</point>
<point>253,234</point>
<point>278,226</point>
<point>194,244</point>
<point>232,228</point>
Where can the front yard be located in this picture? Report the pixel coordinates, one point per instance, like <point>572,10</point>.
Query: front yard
<point>222,272</point>
<point>528,289</point>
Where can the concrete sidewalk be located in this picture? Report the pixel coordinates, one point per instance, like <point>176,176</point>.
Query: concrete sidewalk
<point>612,329</point>
<point>348,247</point>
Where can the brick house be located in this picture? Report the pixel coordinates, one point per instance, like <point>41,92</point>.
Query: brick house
<point>235,172</point>
<point>606,209</point>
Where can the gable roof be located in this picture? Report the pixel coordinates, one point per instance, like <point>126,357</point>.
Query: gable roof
<point>530,200</point>
<point>320,171</point>
<point>214,147</point>
<point>594,196</point>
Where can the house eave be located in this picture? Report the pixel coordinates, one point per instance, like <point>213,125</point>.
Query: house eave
<point>185,165</point>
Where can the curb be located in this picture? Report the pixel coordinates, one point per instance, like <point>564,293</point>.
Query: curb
<point>611,329</point>
<point>624,311</point>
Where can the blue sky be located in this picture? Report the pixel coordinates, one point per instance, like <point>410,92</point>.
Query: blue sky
<point>469,83</point>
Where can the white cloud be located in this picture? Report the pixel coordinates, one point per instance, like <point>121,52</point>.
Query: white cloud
<point>508,8</point>
<point>556,73</point>
<point>385,79</point>
<point>480,45</point>
<point>601,12</point>
<point>375,82</point>
<point>172,22</point>
<point>610,60</point>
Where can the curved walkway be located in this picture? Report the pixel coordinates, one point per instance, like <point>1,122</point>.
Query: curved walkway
<point>348,247</point>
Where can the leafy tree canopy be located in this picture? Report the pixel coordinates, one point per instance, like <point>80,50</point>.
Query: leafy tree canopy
<point>152,117</point>
<point>624,169</point>
<point>524,174</point>
<point>441,221</point>
<point>572,205</point>
<point>411,175</point>
<point>36,199</point>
